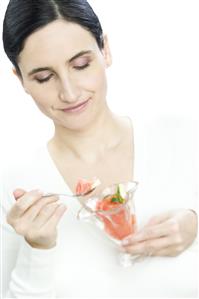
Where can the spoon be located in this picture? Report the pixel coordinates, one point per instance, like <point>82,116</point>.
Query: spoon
<point>70,195</point>
<point>74,195</point>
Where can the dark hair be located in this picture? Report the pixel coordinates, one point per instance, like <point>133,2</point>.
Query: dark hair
<point>23,17</point>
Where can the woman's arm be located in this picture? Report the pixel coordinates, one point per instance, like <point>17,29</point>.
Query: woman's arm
<point>27,271</point>
<point>169,175</point>
<point>33,274</point>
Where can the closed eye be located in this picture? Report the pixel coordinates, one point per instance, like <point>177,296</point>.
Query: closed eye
<point>81,67</point>
<point>76,67</point>
<point>44,79</point>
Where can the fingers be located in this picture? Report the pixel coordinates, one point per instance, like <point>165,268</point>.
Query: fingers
<point>36,217</point>
<point>45,214</point>
<point>169,227</point>
<point>31,213</point>
<point>164,235</point>
<point>48,214</point>
<point>24,202</point>
<point>56,216</point>
<point>169,245</point>
<point>147,233</point>
<point>172,250</point>
<point>155,240</point>
<point>150,247</point>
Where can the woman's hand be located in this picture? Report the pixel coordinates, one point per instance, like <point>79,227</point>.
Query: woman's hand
<point>167,234</point>
<point>36,218</point>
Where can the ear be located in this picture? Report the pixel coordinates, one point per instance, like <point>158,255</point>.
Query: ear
<point>106,52</point>
<point>19,77</point>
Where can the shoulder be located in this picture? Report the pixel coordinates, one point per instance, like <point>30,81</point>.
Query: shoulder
<point>166,126</point>
<point>166,142</point>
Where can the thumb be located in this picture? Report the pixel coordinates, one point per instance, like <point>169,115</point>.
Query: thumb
<point>18,193</point>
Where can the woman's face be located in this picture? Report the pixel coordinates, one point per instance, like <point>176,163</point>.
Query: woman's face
<point>63,70</point>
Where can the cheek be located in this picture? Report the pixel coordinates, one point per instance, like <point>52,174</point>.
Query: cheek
<point>41,96</point>
<point>101,86</point>
<point>41,102</point>
<point>43,99</point>
<point>96,81</point>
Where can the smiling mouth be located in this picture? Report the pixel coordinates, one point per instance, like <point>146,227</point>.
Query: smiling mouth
<point>76,108</point>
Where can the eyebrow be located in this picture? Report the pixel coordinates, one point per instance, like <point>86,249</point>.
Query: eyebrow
<point>40,69</point>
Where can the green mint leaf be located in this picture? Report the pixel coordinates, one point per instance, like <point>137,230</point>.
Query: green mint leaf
<point>115,199</point>
<point>121,199</point>
<point>118,191</point>
<point>117,196</point>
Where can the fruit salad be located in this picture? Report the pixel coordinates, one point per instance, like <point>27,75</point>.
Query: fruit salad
<point>113,209</point>
<point>120,222</point>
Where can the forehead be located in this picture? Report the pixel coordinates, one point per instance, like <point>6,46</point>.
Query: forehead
<point>56,40</point>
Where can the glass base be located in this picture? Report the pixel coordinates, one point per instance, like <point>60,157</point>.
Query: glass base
<point>127,260</point>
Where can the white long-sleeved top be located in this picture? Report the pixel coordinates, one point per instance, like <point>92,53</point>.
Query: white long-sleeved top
<point>84,263</point>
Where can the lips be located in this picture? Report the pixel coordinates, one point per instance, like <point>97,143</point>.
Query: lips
<point>75,108</point>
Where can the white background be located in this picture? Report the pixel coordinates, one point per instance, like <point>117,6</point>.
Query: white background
<point>155,71</point>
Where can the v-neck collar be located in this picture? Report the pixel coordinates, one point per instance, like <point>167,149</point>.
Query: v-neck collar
<point>64,187</point>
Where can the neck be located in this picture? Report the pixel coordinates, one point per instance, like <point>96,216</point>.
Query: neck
<point>89,143</point>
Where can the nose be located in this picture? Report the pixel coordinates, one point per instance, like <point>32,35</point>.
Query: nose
<point>68,91</point>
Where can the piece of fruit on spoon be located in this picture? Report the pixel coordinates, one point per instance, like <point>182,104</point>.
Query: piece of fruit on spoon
<point>85,186</point>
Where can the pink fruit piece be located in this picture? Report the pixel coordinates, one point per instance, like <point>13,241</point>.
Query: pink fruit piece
<point>83,186</point>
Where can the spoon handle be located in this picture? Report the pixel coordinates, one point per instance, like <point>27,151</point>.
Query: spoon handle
<point>61,194</point>
<point>68,195</point>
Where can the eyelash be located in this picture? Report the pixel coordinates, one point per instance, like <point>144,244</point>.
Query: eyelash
<point>79,68</point>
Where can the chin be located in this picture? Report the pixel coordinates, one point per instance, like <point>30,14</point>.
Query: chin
<point>82,121</point>
<point>79,124</point>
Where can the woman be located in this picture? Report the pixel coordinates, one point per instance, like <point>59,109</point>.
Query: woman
<point>60,55</point>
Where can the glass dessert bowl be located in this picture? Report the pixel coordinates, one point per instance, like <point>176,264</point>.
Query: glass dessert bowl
<point>113,211</point>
